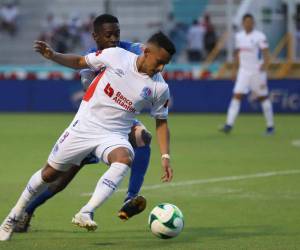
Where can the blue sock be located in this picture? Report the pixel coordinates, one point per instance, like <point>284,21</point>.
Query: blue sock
<point>138,170</point>
<point>39,200</point>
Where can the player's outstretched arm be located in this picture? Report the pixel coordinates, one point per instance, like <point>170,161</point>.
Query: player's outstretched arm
<point>68,60</point>
<point>163,138</point>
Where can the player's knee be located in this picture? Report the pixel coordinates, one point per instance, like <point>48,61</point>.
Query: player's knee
<point>121,155</point>
<point>140,137</point>
<point>146,137</point>
<point>50,174</point>
<point>125,160</point>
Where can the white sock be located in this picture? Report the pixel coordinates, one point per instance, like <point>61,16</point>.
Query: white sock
<point>35,186</point>
<point>233,111</point>
<point>268,112</point>
<point>106,186</point>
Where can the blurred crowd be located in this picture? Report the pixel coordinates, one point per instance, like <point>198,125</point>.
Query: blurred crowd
<point>201,39</point>
<point>73,33</point>
<point>196,40</point>
<point>68,34</point>
<point>9,13</point>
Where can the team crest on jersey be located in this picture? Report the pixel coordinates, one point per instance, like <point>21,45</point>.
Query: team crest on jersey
<point>119,72</point>
<point>146,93</point>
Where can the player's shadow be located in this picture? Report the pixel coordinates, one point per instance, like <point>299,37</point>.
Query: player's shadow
<point>233,232</point>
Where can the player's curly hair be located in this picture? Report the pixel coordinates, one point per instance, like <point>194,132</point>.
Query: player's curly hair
<point>163,41</point>
<point>104,18</point>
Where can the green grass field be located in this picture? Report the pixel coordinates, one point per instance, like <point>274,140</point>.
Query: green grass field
<point>238,191</point>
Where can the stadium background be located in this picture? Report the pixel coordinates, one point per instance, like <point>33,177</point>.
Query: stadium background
<point>240,191</point>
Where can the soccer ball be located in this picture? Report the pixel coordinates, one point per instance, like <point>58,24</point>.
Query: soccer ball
<point>166,221</point>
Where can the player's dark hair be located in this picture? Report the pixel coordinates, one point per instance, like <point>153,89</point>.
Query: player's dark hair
<point>247,15</point>
<point>105,18</point>
<point>161,40</point>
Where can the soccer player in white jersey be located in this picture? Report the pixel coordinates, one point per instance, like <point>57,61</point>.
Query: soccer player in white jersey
<point>106,33</point>
<point>252,58</point>
<point>129,84</point>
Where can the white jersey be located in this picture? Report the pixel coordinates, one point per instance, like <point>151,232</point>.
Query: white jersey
<point>117,94</point>
<point>250,46</point>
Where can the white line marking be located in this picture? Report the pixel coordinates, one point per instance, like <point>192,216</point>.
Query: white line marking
<point>212,180</point>
<point>296,143</point>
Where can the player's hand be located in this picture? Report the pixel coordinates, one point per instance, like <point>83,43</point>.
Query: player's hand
<point>44,49</point>
<point>167,170</point>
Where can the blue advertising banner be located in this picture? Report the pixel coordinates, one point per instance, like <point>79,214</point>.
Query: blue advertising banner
<point>187,96</point>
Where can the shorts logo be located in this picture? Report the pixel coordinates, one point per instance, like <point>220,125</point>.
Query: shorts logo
<point>55,148</point>
<point>62,139</point>
<point>146,93</point>
<point>75,123</point>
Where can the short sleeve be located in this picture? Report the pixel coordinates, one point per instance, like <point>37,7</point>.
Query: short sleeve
<point>263,43</point>
<point>101,58</point>
<point>160,105</point>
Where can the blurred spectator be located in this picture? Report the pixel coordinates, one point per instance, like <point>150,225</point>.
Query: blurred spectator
<point>74,29</point>
<point>173,29</point>
<point>195,38</point>
<point>210,38</point>
<point>87,40</point>
<point>62,39</point>
<point>8,18</point>
<point>169,27</point>
<point>49,28</point>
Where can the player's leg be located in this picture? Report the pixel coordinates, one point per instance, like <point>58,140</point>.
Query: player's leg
<point>52,189</point>
<point>260,88</point>
<point>37,184</point>
<point>119,157</point>
<point>233,111</point>
<point>240,89</point>
<point>134,204</point>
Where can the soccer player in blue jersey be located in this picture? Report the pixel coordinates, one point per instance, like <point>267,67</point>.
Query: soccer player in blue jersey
<point>106,34</point>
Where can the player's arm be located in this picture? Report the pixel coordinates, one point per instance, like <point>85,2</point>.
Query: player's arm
<point>264,47</point>
<point>163,138</point>
<point>266,58</point>
<point>236,64</point>
<point>160,112</point>
<point>68,60</point>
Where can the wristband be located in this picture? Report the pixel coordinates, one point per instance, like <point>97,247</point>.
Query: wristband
<point>166,156</point>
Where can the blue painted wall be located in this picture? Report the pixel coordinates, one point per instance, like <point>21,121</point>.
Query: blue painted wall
<point>187,96</point>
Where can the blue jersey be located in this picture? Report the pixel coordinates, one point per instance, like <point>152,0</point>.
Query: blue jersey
<point>135,48</point>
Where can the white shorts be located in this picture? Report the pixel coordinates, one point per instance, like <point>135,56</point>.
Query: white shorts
<point>251,81</point>
<point>71,148</point>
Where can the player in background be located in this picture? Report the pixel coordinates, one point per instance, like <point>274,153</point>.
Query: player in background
<point>129,84</point>
<point>251,59</point>
<point>106,33</point>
